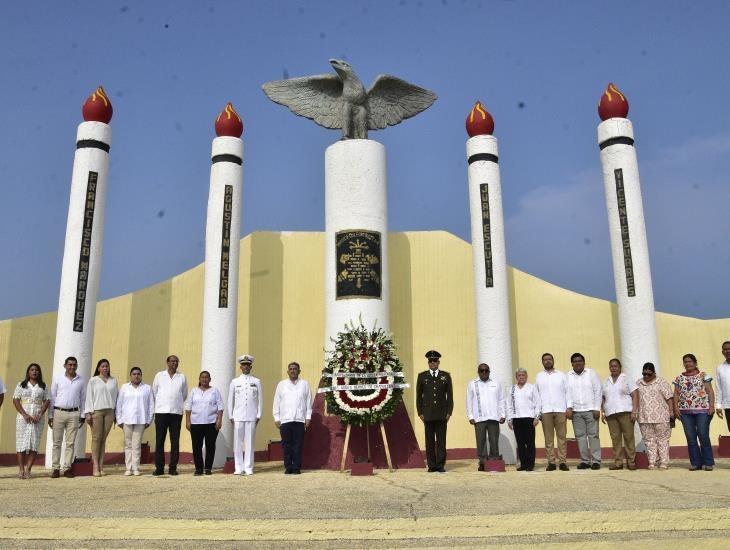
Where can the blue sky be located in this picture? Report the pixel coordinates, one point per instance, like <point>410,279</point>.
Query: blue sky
<point>538,67</point>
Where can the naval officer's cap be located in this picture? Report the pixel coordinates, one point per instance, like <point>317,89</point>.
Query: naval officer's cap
<point>246,359</point>
<point>433,354</point>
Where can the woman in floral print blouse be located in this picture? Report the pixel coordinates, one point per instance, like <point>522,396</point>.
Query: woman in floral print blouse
<point>694,403</point>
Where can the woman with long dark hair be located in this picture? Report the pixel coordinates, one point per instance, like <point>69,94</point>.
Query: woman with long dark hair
<point>101,399</point>
<point>694,403</point>
<point>31,399</point>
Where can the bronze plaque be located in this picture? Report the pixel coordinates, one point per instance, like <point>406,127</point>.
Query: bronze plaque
<point>625,239</point>
<point>358,264</point>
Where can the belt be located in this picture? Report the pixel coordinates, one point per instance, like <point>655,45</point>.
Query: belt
<point>75,409</point>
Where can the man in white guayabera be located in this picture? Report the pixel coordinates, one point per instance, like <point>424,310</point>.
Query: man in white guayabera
<point>292,414</point>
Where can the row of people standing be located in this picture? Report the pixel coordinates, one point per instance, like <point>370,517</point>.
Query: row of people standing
<point>578,396</point>
<point>71,402</point>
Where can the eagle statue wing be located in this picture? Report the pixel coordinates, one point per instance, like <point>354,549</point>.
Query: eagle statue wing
<point>391,100</point>
<point>316,97</point>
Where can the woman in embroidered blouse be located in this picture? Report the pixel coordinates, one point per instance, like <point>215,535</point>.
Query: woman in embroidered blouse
<point>655,412</point>
<point>31,400</point>
<point>101,400</point>
<point>694,403</point>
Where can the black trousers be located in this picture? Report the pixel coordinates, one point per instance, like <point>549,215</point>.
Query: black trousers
<point>525,436</point>
<point>292,437</point>
<point>163,423</point>
<point>727,418</point>
<point>435,443</point>
<point>198,434</point>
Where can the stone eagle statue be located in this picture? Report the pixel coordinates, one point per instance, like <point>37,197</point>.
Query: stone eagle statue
<point>340,100</point>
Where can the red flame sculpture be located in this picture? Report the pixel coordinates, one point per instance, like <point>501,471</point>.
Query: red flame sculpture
<point>97,107</point>
<point>479,122</point>
<point>229,123</point>
<point>613,103</point>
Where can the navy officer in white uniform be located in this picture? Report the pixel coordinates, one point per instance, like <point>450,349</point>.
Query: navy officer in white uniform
<point>244,410</point>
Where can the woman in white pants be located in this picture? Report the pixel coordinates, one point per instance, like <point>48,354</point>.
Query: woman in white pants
<point>135,410</point>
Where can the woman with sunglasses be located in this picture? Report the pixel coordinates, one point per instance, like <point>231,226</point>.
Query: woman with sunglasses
<point>694,403</point>
<point>135,410</point>
<point>655,413</point>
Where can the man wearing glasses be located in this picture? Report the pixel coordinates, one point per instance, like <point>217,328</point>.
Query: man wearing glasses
<point>434,403</point>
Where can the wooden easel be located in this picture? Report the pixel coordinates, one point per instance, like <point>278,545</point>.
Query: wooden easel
<point>367,435</point>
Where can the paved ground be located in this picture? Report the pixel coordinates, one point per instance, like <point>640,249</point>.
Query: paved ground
<point>404,509</point>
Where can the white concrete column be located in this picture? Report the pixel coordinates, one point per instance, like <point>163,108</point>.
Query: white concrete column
<point>356,233</point>
<point>81,267</point>
<point>220,298</point>
<point>491,287</point>
<point>629,249</point>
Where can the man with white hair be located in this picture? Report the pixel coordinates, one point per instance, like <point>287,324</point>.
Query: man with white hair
<point>244,410</point>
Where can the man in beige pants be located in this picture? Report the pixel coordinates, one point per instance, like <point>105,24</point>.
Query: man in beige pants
<point>553,389</point>
<point>66,415</point>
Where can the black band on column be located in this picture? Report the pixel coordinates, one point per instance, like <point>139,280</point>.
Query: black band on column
<point>96,144</point>
<point>226,158</point>
<point>484,156</point>
<point>623,140</point>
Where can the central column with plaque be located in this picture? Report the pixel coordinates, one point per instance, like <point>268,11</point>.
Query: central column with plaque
<point>356,233</point>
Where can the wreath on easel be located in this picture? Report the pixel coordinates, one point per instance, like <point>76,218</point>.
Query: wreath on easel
<point>363,378</point>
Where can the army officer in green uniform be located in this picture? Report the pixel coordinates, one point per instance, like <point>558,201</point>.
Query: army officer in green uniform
<point>434,403</point>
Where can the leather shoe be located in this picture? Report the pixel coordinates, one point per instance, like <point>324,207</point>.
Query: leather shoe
<point>596,466</point>
<point>441,470</point>
<point>296,471</point>
<point>631,466</point>
<point>157,473</point>
<point>56,474</point>
<point>172,472</point>
<point>583,466</point>
<point>68,473</point>
<point>521,469</point>
<point>564,467</point>
<point>208,472</point>
<point>550,467</point>
<point>617,467</point>
<point>431,470</point>
<point>481,467</point>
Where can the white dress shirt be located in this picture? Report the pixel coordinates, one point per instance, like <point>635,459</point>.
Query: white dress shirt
<point>204,405</point>
<point>170,393</point>
<point>552,387</point>
<point>67,393</point>
<point>523,402</point>
<point>100,394</point>
<point>244,398</point>
<point>722,380</point>
<point>484,400</point>
<point>617,395</point>
<point>584,391</point>
<point>135,404</point>
<point>292,402</point>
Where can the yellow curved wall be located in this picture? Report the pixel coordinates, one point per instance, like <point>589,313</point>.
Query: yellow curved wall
<point>281,319</point>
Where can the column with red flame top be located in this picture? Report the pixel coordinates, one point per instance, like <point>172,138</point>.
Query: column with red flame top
<point>222,234</point>
<point>629,249</point>
<point>81,266</point>
<point>491,286</point>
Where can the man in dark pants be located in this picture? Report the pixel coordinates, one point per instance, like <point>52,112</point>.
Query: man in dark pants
<point>434,403</point>
<point>292,414</point>
<point>170,390</point>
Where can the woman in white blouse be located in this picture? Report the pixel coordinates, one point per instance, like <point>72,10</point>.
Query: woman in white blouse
<point>203,417</point>
<point>101,400</point>
<point>523,411</point>
<point>135,410</point>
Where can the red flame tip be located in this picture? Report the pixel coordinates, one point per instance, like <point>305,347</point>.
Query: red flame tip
<point>479,122</point>
<point>613,103</point>
<point>228,122</point>
<point>97,107</point>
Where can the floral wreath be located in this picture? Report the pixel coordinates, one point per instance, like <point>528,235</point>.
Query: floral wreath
<point>363,379</point>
